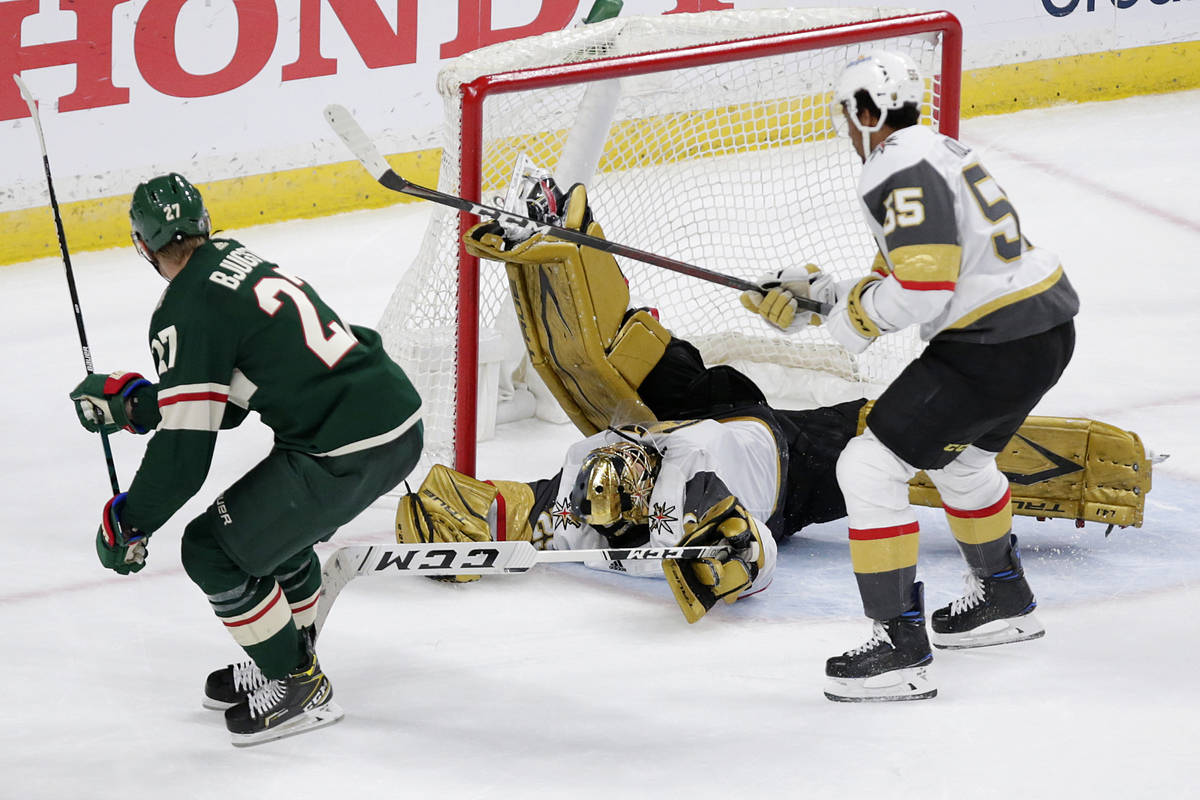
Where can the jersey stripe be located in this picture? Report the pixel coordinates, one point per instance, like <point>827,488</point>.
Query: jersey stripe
<point>991,510</point>
<point>1008,299</point>
<point>374,441</point>
<point>261,622</point>
<point>890,532</point>
<point>926,268</point>
<point>984,525</point>
<point>193,406</point>
<point>886,549</point>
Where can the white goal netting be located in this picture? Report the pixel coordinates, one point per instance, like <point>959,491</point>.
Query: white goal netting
<point>732,165</point>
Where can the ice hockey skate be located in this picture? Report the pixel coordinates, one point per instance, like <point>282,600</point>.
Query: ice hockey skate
<point>996,609</point>
<point>891,665</point>
<point>300,702</point>
<point>231,685</point>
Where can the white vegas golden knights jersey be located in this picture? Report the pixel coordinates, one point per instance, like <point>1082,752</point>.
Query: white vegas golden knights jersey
<point>953,255</point>
<point>703,462</point>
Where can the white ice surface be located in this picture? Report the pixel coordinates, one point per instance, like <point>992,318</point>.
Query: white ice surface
<point>571,683</point>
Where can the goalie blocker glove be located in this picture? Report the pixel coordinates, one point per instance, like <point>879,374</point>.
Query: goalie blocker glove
<point>698,584</point>
<point>453,507</point>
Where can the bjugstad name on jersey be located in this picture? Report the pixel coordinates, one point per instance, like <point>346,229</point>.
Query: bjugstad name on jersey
<point>240,262</point>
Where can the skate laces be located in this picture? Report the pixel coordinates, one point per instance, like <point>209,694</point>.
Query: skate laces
<point>879,635</point>
<point>247,676</point>
<point>265,697</point>
<point>973,596</point>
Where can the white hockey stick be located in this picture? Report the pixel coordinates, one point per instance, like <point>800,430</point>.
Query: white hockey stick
<point>345,126</point>
<point>470,558</point>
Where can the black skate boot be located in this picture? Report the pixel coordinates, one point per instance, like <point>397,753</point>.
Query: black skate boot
<point>891,665</point>
<point>300,702</point>
<point>996,609</point>
<point>231,685</point>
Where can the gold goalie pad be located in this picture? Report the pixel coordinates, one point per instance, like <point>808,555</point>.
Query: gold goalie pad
<point>571,304</point>
<point>1065,467</point>
<point>453,507</point>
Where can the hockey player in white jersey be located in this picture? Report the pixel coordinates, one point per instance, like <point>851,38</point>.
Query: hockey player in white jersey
<point>997,313</point>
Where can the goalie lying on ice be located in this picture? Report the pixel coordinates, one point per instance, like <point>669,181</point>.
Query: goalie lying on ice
<point>697,482</point>
<point>706,459</point>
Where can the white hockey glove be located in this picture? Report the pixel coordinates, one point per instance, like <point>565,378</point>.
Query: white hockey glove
<point>777,302</point>
<point>532,192</point>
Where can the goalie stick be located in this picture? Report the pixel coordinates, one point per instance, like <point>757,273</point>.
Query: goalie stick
<point>66,256</point>
<point>470,558</point>
<point>346,127</point>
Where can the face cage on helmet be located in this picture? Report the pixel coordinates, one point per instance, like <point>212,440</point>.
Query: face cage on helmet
<point>842,127</point>
<point>850,103</point>
<point>626,472</point>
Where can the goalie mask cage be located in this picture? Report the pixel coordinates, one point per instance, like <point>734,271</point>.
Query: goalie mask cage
<point>705,137</point>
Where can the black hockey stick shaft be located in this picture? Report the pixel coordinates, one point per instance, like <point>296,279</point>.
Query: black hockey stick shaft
<point>66,256</point>
<point>363,149</point>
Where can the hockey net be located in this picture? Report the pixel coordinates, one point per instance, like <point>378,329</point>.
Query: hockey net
<point>704,137</point>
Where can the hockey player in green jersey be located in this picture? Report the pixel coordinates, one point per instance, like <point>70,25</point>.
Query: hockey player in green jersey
<point>234,333</point>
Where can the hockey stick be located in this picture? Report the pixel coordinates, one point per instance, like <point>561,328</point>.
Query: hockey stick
<point>345,126</point>
<point>66,256</point>
<point>470,558</point>
<point>585,141</point>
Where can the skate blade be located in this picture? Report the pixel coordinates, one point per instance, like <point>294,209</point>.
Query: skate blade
<point>901,684</point>
<point>215,705</point>
<point>1001,631</point>
<point>319,717</point>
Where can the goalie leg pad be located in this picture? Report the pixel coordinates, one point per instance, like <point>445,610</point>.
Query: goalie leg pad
<point>1072,468</point>
<point>1066,467</point>
<point>699,583</point>
<point>572,304</point>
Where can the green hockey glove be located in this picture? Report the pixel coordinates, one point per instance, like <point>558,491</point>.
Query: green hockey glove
<point>107,394</point>
<point>121,549</point>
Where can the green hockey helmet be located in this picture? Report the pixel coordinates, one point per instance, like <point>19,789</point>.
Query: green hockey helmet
<point>166,209</point>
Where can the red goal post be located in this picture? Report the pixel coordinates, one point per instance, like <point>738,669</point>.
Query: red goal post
<point>731,109</point>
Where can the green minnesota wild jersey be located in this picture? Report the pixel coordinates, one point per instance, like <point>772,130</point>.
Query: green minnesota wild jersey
<point>234,333</point>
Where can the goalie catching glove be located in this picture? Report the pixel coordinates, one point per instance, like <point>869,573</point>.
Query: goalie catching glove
<point>699,583</point>
<point>453,507</point>
<point>776,303</point>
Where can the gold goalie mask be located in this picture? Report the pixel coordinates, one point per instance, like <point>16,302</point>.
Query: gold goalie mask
<point>614,485</point>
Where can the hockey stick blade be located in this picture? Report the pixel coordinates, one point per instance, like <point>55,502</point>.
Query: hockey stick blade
<point>348,129</point>
<point>471,558</point>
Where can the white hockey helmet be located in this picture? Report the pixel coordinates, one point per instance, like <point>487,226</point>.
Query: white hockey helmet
<point>892,80</point>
